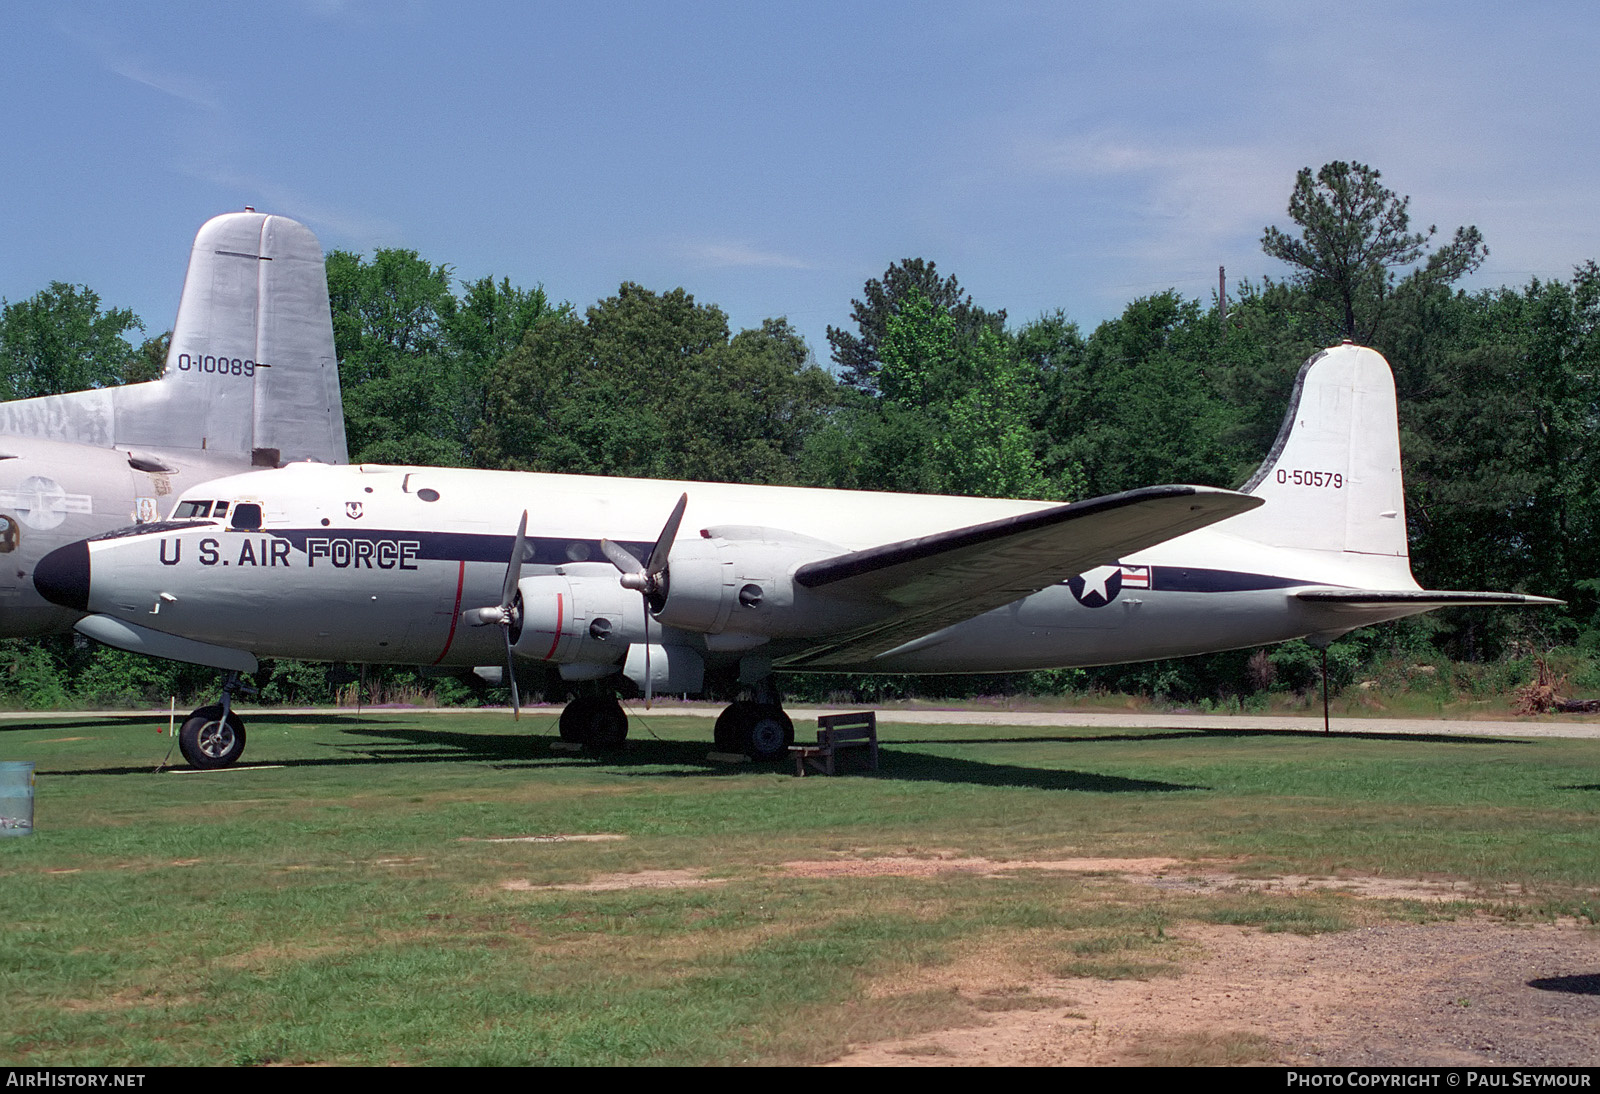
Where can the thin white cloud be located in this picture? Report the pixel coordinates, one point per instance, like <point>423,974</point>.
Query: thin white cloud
<point>1191,200</point>
<point>131,65</point>
<point>181,88</point>
<point>724,254</point>
<point>363,13</point>
<point>342,229</point>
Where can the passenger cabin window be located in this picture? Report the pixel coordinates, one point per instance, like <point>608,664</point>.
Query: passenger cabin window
<point>189,510</point>
<point>246,517</point>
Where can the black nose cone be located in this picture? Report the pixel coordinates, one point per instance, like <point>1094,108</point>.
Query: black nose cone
<point>62,576</point>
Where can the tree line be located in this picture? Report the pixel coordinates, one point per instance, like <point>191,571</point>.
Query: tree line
<point>931,392</point>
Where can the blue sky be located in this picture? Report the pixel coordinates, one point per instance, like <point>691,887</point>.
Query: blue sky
<point>770,157</point>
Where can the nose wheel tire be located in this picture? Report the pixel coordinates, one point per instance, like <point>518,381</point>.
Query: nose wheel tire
<point>209,741</point>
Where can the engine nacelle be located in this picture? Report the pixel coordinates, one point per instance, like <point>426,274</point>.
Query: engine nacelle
<point>736,583</point>
<point>741,581</point>
<point>584,617</point>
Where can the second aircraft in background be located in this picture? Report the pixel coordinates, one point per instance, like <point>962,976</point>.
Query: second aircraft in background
<point>250,381</point>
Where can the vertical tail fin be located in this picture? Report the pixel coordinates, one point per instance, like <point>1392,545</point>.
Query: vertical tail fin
<point>1332,479</point>
<point>251,371</point>
<point>251,375</point>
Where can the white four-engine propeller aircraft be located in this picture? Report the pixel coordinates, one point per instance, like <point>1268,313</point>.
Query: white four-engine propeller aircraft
<point>723,585</point>
<point>250,381</point>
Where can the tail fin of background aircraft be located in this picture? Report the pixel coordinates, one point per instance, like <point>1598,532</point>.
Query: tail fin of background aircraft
<point>1332,479</point>
<point>251,375</point>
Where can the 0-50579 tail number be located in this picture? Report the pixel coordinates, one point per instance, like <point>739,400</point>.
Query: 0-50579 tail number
<point>1331,480</point>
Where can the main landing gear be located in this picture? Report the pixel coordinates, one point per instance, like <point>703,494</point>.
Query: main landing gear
<point>213,737</point>
<point>754,724</point>
<point>761,731</point>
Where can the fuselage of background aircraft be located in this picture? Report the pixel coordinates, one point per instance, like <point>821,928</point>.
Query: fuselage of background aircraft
<point>250,381</point>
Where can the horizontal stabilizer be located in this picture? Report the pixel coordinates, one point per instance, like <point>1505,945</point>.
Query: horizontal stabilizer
<point>1420,599</point>
<point>938,580</point>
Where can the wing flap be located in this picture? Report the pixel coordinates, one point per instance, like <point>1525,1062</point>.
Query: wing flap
<point>934,581</point>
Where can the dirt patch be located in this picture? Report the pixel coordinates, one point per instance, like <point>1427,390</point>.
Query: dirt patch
<point>1471,992</point>
<point>275,954</point>
<point>598,838</point>
<point>126,999</point>
<point>641,879</point>
<point>1444,994</point>
<point>890,866</point>
<point>1370,888</point>
<point>1173,875</point>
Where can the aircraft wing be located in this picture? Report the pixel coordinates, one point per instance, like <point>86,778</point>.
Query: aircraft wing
<point>938,580</point>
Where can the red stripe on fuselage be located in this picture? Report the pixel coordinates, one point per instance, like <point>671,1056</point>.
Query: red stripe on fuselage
<point>455,616</point>
<point>556,641</point>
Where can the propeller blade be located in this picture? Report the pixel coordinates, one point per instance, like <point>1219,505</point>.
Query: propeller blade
<point>504,613</point>
<point>511,675</point>
<point>514,570</point>
<point>669,533</point>
<point>621,559</point>
<point>508,593</point>
<point>648,578</point>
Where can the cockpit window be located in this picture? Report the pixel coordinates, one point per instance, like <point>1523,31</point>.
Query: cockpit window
<point>190,510</point>
<point>247,517</point>
<point>221,510</point>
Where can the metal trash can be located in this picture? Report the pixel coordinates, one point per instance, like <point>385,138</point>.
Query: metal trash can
<point>16,798</point>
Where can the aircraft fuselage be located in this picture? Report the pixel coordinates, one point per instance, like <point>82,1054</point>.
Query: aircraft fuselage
<point>378,564</point>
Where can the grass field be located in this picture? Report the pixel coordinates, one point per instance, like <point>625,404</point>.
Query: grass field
<point>359,903</point>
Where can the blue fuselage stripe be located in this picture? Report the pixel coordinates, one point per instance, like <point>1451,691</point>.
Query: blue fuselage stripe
<point>561,551</point>
<point>1188,579</point>
<point>463,546</point>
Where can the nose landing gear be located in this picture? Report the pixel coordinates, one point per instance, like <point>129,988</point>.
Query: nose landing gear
<point>213,737</point>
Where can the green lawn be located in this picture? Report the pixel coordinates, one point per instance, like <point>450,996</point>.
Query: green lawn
<point>350,907</point>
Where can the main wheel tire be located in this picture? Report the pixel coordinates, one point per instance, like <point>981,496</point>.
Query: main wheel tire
<point>594,722</point>
<point>572,718</point>
<point>209,741</point>
<point>726,732</point>
<point>607,727</point>
<point>765,731</point>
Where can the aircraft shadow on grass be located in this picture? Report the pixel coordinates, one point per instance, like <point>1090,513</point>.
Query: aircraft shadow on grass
<point>1186,733</point>
<point>643,757</point>
<point>646,757</point>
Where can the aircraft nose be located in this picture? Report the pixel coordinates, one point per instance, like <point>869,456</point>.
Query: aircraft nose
<point>62,576</point>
